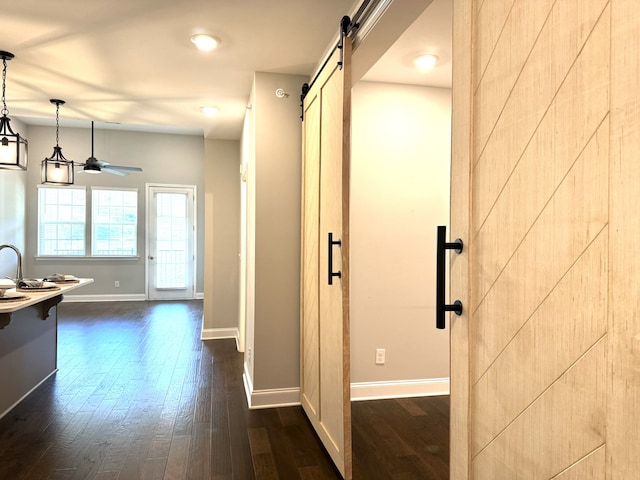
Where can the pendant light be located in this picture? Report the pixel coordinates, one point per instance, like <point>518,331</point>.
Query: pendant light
<point>57,170</point>
<point>13,147</point>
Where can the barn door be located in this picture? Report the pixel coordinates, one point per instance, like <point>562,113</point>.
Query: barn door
<point>325,376</point>
<point>545,191</point>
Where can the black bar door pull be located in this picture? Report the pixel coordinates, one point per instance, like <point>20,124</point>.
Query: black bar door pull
<point>332,274</point>
<point>441,306</point>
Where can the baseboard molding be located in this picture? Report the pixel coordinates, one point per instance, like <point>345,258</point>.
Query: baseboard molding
<point>218,333</point>
<point>27,394</point>
<point>272,398</point>
<point>399,389</point>
<point>127,297</point>
<point>285,397</point>
<point>130,297</point>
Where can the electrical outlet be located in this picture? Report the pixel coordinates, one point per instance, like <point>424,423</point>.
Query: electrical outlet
<point>380,354</point>
<point>116,284</point>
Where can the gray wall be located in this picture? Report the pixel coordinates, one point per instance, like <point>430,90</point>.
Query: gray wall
<point>400,164</point>
<point>274,173</point>
<point>165,158</point>
<point>222,233</point>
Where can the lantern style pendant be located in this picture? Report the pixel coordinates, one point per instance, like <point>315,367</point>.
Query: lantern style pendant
<point>56,169</point>
<point>13,147</point>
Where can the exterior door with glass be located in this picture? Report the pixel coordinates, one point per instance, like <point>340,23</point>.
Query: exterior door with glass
<point>170,242</point>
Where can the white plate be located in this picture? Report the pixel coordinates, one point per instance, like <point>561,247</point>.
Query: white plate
<point>13,295</point>
<point>6,283</point>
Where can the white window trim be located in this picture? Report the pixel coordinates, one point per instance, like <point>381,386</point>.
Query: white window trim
<point>86,207</point>
<point>88,225</point>
<point>91,225</point>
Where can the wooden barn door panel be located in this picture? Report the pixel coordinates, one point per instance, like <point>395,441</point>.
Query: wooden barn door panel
<point>530,197</point>
<point>325,382</point>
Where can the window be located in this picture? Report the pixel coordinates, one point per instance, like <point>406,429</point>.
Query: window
<point>114,226</point>
<point>61,221</point>
<point>62,218</point>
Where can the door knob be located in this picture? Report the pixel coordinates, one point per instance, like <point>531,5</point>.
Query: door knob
<point>151,258</point>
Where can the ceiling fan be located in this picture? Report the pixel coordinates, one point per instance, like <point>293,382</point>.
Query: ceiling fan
<point>93,165</point>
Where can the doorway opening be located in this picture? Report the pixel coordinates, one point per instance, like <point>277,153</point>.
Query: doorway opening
<point>399,194</point>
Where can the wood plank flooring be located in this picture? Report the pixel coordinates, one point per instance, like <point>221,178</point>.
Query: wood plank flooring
<point>138,395</point>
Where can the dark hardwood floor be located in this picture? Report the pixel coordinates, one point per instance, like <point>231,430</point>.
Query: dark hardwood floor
<point>139,396</point>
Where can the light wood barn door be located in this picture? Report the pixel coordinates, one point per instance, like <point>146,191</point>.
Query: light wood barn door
<point>545,376</point>
<point>325,382</point>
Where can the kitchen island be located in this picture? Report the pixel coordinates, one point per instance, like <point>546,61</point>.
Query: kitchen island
<point>29,342</point>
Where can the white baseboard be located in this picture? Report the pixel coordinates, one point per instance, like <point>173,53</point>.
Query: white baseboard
<point>272,398</point>
<point>399,389</point>
<point>218,333</point>
<point>285,397</point>
<point>128,297</point>
<point>27,394</point>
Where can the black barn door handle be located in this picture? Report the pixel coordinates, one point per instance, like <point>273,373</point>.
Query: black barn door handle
<point>332,274</point>
<point>441,306</point>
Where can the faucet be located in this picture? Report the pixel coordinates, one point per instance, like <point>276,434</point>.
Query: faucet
<point>15,249</point>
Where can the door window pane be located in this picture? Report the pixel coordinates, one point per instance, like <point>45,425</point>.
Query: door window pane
<point>171,241</point>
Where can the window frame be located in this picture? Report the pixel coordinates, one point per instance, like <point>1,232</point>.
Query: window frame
<point>40,223</point>
<point>94,223</point>
<point>88,225</point>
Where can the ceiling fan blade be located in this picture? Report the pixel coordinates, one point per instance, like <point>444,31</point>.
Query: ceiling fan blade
<point>115,172</point>
<point>122,167</point>
<point>96,166</point>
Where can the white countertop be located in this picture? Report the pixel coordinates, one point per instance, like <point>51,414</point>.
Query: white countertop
<point>37,297</point>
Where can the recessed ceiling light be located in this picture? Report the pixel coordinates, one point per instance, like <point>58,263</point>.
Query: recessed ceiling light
<point>426,61</point>
<point>205,42</point>
<point>210,111</point>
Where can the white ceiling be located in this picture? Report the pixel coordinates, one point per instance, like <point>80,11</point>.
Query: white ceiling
<point>131,62</point>
<point>431,33</point>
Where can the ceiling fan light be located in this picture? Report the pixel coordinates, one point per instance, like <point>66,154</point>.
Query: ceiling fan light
<point>205,42</point>
<point>92,169</point>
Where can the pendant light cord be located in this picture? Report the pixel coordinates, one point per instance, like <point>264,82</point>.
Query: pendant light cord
<point>57,124</point>
<point>5,111</point>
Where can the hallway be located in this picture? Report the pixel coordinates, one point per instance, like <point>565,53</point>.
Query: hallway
<point>139,395</point>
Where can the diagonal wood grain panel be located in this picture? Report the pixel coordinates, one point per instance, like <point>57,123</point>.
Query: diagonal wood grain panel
<point>492,16</point>
<point>555,185</point>
<point>570,24</point>
<point>591,467</point>
<point>548,344</point>
<point>561,427</point>
<point>521,29</point>
<point>556,240</point>
<point>325,354</point>
<point>547,159</point>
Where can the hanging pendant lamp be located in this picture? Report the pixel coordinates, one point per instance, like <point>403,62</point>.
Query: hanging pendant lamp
<point>13,147</point>
<point>57,170</point>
